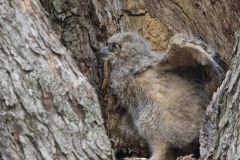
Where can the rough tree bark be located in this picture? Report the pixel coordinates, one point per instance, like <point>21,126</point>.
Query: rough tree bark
<point>221,126</point>
<point>48,109</point>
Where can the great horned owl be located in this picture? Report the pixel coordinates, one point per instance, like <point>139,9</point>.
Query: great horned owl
<point>162,92</point>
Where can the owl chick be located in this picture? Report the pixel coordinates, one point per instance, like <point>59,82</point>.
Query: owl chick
<point>162,92</point>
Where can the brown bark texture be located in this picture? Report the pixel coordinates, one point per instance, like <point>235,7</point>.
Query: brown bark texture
<point>220,130</point>
<point>48,109</point>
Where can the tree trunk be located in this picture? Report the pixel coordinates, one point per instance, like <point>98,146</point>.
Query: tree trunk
<point>48,110</point>
<point>220,131</point>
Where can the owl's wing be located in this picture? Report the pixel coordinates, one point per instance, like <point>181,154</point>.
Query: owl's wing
<point>189,51</point>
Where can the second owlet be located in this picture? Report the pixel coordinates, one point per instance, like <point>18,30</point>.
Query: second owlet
<point>163,93</point>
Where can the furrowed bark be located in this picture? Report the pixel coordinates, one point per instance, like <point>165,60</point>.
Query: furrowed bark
<point>48,109</point>
<point>220,131</point>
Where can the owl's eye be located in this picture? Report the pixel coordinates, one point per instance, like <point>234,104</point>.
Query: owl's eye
<point>114,46</point>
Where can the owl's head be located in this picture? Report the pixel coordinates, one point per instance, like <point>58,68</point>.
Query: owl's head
<point>129,53</point>
<point>124,47</point>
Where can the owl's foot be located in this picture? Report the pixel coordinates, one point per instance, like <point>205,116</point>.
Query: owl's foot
<point>161,151</point>
<point>135,158</point>
<point>189,157</point>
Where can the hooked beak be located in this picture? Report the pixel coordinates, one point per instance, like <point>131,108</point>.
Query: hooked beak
<point>105,54</point>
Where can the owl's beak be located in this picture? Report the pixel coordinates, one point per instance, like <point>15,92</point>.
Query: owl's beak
<point>105,54</point>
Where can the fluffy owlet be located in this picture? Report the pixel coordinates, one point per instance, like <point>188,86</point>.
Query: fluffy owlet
<point>162,92</point>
